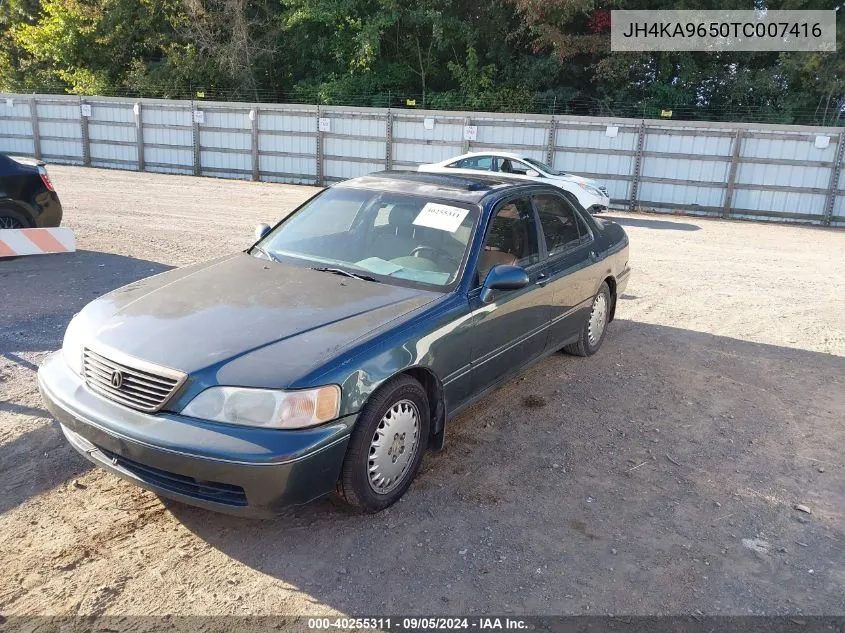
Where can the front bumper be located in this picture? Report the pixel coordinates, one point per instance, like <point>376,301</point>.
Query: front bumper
<point>598,203</point>
<point>236,470</point>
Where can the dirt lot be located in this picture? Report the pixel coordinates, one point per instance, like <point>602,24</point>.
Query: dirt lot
<point>658,477</point>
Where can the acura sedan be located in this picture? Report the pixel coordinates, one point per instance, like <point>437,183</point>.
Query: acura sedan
<point>590,194</point>
<point>330,354</point>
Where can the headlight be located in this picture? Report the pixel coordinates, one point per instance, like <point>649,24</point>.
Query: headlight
<point>265,407</point>
<point>590,189</point>
<point>73,344</point>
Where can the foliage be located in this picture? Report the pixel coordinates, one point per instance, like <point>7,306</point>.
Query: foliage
<point>510,55</point>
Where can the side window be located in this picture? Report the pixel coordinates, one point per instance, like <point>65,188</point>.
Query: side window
<point>512,166</point>
<point>519,167</point>
<point>558,219</point>
<point>511,237</point>
<point>482,163</point>
<point>583,229</point>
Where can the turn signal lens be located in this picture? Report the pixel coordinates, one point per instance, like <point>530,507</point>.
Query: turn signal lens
<point>328,403</point>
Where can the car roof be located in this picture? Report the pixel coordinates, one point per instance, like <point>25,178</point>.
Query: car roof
<point>490,153</point>
<point>457,187</point>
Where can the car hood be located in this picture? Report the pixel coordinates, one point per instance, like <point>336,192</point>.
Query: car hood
<point>226,311</point>
<point>578,179</point>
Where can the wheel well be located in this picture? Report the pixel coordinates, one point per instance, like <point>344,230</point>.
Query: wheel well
<point>611,284</point>
<point>434,391</point>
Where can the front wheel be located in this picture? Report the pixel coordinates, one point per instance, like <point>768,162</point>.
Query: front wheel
<point>387,446</point>
<point>595,327</point>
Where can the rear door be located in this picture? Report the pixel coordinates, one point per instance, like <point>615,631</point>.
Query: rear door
<point>511,330</point>
<point>571,258</point>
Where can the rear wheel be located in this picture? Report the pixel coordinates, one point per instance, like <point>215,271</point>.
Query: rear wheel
<point>11,219</point>
<point>387,446</point>
<point>595,327</point>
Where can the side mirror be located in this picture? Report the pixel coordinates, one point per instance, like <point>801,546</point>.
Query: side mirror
<point>532,173</point>
<point>261,230</point>
<point>503,277</point>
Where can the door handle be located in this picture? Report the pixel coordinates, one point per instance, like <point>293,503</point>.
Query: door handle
<point>542,280</point>
<point>593,255</point>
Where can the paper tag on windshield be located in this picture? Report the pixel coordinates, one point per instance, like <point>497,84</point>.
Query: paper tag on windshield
<point>441,216</point>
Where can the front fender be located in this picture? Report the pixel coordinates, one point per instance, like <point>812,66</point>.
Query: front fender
<point>436,340</point>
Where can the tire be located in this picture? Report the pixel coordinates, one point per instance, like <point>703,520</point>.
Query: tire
<point>11,219</point>
<point>588,343</point>
<point>396,403</point>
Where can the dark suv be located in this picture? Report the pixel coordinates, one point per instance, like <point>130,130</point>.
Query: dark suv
<point>27,197</point>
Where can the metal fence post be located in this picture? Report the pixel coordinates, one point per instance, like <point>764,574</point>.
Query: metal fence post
<point>465,146</point>
<point>36,133</point>
<point>388,141</point>
<point>139,134</point>
<point>638,166</point>
<point>319,150</point>
<point>550,149</point>
<point>86,141</point>
<point>195,129</point>
<point>253,119</point>
<point>833,188</point>
<point>736,152</point>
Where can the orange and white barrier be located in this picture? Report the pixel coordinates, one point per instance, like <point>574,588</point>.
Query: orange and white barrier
<point>15,242</point>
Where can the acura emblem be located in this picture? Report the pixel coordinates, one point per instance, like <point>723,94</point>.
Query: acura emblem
<point>117,379</point>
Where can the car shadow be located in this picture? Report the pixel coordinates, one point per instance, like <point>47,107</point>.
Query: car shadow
<point>40,296</point>
<point>35,462</point>
<point>664,449</point>
<point>647,223</point>
<point>45,291</point>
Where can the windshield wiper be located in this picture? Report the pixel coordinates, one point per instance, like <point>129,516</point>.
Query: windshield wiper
<point>346,273</point>
<point>265,253</point>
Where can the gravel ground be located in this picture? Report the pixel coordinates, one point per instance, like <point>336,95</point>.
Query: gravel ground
<point>658,477</point>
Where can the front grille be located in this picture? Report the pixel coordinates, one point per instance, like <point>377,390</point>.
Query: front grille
<point>131,382</point>
<point>603,189</point>
<point>181,484</point>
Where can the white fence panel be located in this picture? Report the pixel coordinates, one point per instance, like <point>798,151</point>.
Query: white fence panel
<point>16,127</point>
<point>114,156</point>
<point>774,172</point>
<point>589,151</point>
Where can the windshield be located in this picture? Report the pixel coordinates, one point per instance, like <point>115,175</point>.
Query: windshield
<point>388,237</point>
<point>544,167</point>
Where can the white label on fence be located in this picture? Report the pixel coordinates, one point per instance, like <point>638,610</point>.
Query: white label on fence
<point>441,216</point>
<point>822,141</point>
<point>428,123</point>
<point>324,125</point>
<point>470,132</point>
<point>612,131</point>
<point>10,103</point>
<point>199,116</point>
<point>85,109</point>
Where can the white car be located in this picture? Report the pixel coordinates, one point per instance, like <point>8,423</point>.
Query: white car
<point>589,193</point>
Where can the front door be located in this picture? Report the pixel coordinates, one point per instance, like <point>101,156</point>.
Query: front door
<point>510,330</point>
